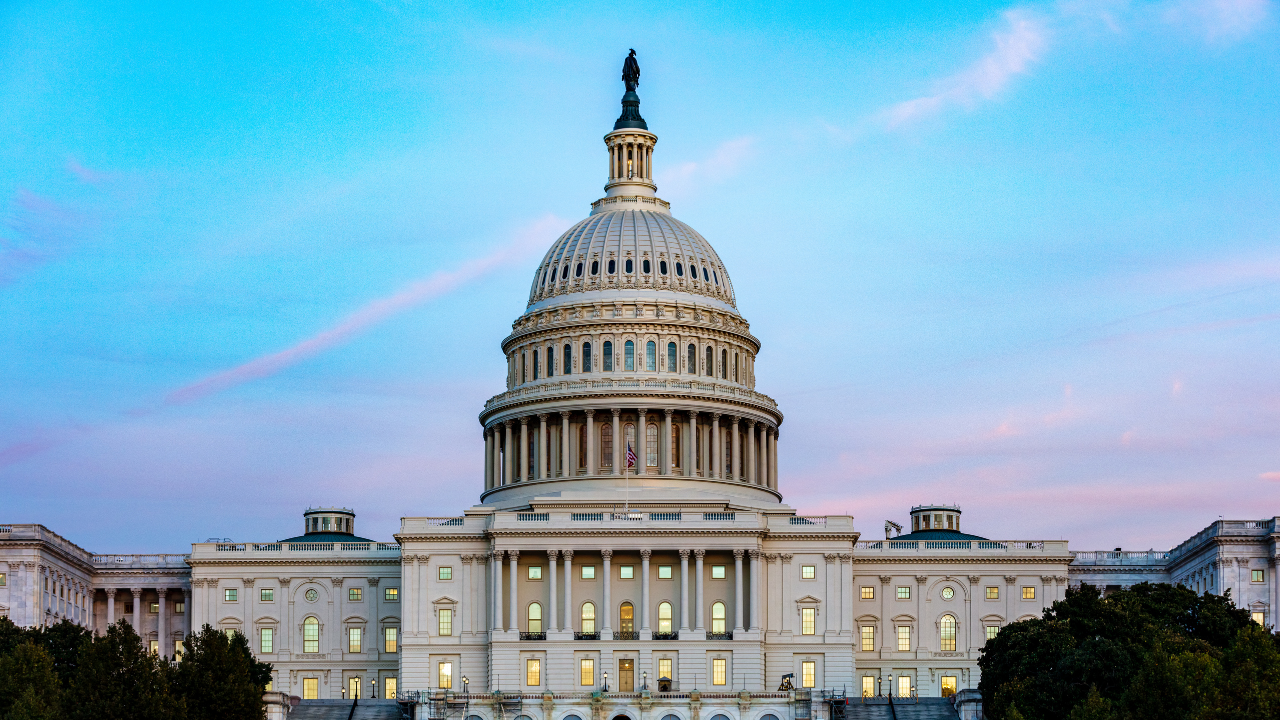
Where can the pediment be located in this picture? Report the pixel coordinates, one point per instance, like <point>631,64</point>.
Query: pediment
<point>992,618</point>
<point>809,600</point>
<point>904,618</point>
<point>355,620</point>
<point>444,600</point>
<point>390,619</point>
<point>867,618</point>
<point>266,620</point>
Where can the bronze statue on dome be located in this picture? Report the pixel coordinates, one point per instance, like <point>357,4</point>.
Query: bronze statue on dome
<point>631,72</point>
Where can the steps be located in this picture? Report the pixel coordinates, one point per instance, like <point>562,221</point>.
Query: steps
<point>927,709</point>
<point>341,709</point>
<point>377,710</point>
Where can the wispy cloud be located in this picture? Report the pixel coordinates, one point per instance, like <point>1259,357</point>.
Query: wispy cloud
<point>1275,476</point>
<point>1220,20</point>
<point>40,229</point>
<point>723,162</point>
<point>1016,47</point>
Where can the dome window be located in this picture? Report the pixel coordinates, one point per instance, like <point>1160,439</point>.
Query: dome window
<point>613,267</point>
<point>630,267</point>
<point>662,266</point>
<point>693,360</point>
<point>704,276</point>
<point>651,359</point>
<point>645,266</point>
<point>715,277</point>
<point>544,277</point>
<point>586,357</point>
<point>595,267</point>
<point>564,273</point>
<point>679,270</point>
<point>629,355</point>
<point>577,272</point>
<point>608,356</point>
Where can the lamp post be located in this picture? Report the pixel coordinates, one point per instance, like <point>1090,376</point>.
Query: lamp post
<point>373,688</point>
<point>464,685</point>
<point>606,682</point>
<point>644,676</point>
<point>890,686</point>
<point>344,694</point>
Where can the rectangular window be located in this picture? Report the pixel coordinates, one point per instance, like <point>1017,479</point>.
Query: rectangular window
<point>390,687</point>
<point>266,640</point>
<point>993,593</point>
<point>868,638</point>
<point>719,671</point>
<point>154,609</point>
<point>808,620</point>
<point>904,638</point>
<point>626,572</point>
<point>808,674</point>
<point>179,608</point>
<point>664,668</point>
<point>179,647</point>
<point>904,593</point>
<point>389,636</point>
<point>355,640</point>
<point>444,679</point>
<point>1259,575</point>
<point>535,572</point>
<point>4,579</point>
<point>310,688</point>
<point>445,624</point>
<point>1258,617</point>
<point>533,672</point>
<point>586,672</point>
<point>808,572</point>
<point>588,572</point>
<point>868,592</point>
<point>868,686</point>
<point>355,594</point>
<point>948,685</point>
<point>1028,593</point>
<point>992,631</point>
<point>717,572</point>
<point>391,595</point>
<point>904,686</point>
<point>267,595</point>
<point>664,572</point>
<point>155,647</point>
<point>231,595</point>
<point>444,573</point>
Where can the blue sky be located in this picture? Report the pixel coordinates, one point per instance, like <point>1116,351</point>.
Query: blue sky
<point>1017,257</point>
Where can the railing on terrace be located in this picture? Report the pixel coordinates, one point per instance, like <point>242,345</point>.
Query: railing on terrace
<point>1121,557</point>
<point>626,634</point>
<point>588,517</point>
<point>533,517</point>
<point>441,521</point>
<point>802,520</point>
<point>1224,527</point>
<point>664,517</point>
<point>167,560</point>
<point>302,547</point>
<point>683,387</point>
<point>997,545</point>
<point>719,516</point>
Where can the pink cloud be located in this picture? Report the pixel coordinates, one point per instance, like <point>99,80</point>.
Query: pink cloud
<point>41,230</point>
<point>88,175</point>
<point>1270,476</point>
<point>1015,49</point>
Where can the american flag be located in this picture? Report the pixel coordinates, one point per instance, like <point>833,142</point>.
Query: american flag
<point>631,457</point>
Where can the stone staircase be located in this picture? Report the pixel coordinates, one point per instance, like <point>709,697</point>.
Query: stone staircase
<point>341,710</point>
<point>879,709</point>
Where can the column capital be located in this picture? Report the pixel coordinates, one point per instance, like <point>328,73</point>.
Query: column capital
<point>922,579</point>
<point>568,554</point>
<point>735,420</point>
<point>513,554</point>
<point>737,554</point>
<point>771,558</point>
<point>715,416</point>
<point>692,414</point>
<point>588,412</point>
<point>668,412</point>
<point>699,553</point>
<point>616,411</point>
<point>544,416</point>
<point>496,555</point>
<point>785,558</point>
<point>508,423</point>
<point>846,558</point>
<point>885,579</point>
<point>831,558</point>
<point>606,554</point>
<point>552,555</point>
<point>137,592</point>
<point>749,422</point>
<point>642,412</point>
<point>755,554</point>
<point>284,581</point>
<point>645,553</point>
<point>1010,579</point>
<point>248,582</point>
<point>565,413</point>
<point>524,419</point>
<point>684,554</point>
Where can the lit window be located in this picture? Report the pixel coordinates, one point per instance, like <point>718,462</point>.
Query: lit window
<point>904,638</point>
<point>719,671</point>
<point>868,592</point>
<point>1258,617</point>
<point>4,579</point>
<point>445,573</point>
<point>311,595</point>
<point>868,638</point>
<point>310,688</point>
<point>155,647</point>
<point>588,617</point>
<point>587,666</point>
<point>808,572</point>
<point>672,365</point>
<point>717,572</point>
<point>868,686</point>
<point>904,686</point>
<point>948,593</point>
<point>155,608</point>
<point>629,354</point>
<point>588,572</point>
<point>717,618</point>
<point>389,637</point>
<point>355,640</point>
<point>992,631</point>
<point>651,356</point>
<point>535,572</point>
<point>651,446</point>
<point>1259,575</point>
<point>808,674</point>
<point>267,595</point>
<point>948,629</point>
<point>664,617</point>
<point>626,572</point>
<point>693,360</point>
<point>391,595</point>
<point>179,608</point>
<point>808,620</point>
<point>311,635</point>
<point>608,354</point>
<point>1028,593</point>
<point>390,686</point>
<point>231,595</point>
<point>904,593</point>
<point>444,622</point>
<point>993,593</point>
<point>664,572</point>
<point>535,617</point>
<point>533,672</point>
<point>355,594</point>
<point>627,618</point>
<point>266,640</point>
<point>948,685</point>
<point>444,673</point>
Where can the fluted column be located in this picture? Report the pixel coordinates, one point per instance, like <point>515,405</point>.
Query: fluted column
<point>737,451</point>
<point>644,592</point>
<point>522,472</point>
<point>162,626</point>
<point>137,610</point>
<point>764,455</point>
<point>509,454</point>
<point>607,610</point>
<point>737,591</point>
<point>752,478</point>
<point>111,606</point>
<point>591,442</point>
<point>691,445</point>
<point>542,445</point>
<point>665,442</point>
<point>566,460</point>
<point>773,458</point>
<point>568,589</point>
<point>642,440</point>
<point>697,595</point>
<point>755,590</point>
<point>488,459</point>
<point>717,450</point>
<point>495,590</point>
<point>684,591</point>
<point>618,440</point>
<point>553,611</point>
<point>513,557</point>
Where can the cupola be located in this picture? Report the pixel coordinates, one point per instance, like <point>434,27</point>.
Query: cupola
<point>329,520</point>
<point>935,517</point>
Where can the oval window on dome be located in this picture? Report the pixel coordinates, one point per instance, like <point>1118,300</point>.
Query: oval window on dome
<point>629,267</point>
<point>662,266</point>
<point>613,267</point>
<point>544,278</point>
<point>564,273</point>
<point>645,266</point>
<point>578,271</point>
<point>704,276</point>
<point>595,267</point>
<point>714,277</point>
<point>679,270</point>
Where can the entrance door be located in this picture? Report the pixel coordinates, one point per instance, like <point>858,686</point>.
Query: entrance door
<point>626,675</point>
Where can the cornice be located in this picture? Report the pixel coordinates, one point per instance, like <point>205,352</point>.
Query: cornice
<point>291,561</point>
<point>604,398</point>
<point>965,560</point>
<point>50,549</point>
<point>621,326</point>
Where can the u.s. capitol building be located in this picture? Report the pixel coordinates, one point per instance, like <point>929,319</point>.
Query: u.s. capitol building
<point>631,554</point>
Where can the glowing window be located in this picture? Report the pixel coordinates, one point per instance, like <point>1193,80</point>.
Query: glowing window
<point>266,640</point>
<point>904,593</point>
<point>267,595</point>
<point>389,686</point>
<point>627,618</point>
<point>904,686</point>
<point>444,573</point>
<point>444,676</point>
<point>311,635</point>
<point>868,592</point>
<point>948,685</point>
<point>355,594</point>
<point>355,640</point>
<point>808,620</point>
<point>717,571</point>
<point>535,617</point>
<point>587,666</point>
<point>231,595</point>
<point>533,672</point>
<point>993,593</point>
<point>390,638</point>
<point>904,638</point>
<point>391,595</point>
<point>535,572</point>
<point>444,622</point>
<point>626,572</point>
<point>947,627</point>
<point>1259,575</point>
<point>992,631</point>
<point>808,673</point>
<point>664,572</point>
<point>868,686</point>
<point>1028,593</point>
<point>664,617</point>
<point>719,671</point>
<point>808,572</point>
<point>717,618</point>
<point>588,617</point>
<point>868,638</point>
<point>588,572</point>
<point>310,688</point>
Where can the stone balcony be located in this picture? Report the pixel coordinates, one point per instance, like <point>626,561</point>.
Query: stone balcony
<point>228,551</point>
<point>667,519</point>
<point>970,548</point>
<point>583,390</point>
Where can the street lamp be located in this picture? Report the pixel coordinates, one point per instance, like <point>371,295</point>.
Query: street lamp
<point>645,680</point>
<point>606,681</point>
<point>890,686</point>
<point>464,685</point>
<point>344,693</point>
<point>373,688</point>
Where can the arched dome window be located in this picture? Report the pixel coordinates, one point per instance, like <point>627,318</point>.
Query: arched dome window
<point>595,267</point>
<point>645,266</point>
<point>693,360</point>
<point>651,356</point>
<point>704,276</point>
<point>629,356</point>
<point>606,445</point>
<point>724,365</point>
<point>535,617</point>
<point>608,356</point>
<point>664,617</point>
<point>551,362</point>
<point>566,367</point>
<point>629,267</point>
<point>524,367</point>
<point>564,273</point>
<point>582,447</point>
<point>715,277</point>
<point>543,281</point>
<point>679,270</point>
<point>577,272</point>
<point>535,365</point>
<point>735,368</point>
<point>311,635</point>
<point>947,628</point>
<point>673,364</point>
<point>613,267</point>
<point>711,363</point>
<point>588,617</point>
<point>586,357</point>
<point>662,266</point>
<point>717,617</point>
<point>651,446</point>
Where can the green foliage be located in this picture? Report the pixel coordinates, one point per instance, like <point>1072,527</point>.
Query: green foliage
<point>117,679</point>
<point>29,686</point>
<point>1152,651</point>
<point>220,679</point>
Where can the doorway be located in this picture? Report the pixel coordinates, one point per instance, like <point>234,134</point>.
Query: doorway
<point>626,675</point>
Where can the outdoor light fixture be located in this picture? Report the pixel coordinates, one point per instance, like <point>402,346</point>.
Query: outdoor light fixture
<point>606,682</point>
<point>645,680</point>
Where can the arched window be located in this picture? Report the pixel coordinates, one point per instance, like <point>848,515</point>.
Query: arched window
<point>564,273</point>
<point>662,266</point>
<point>711,363</point>
<point>543,281</point>
<point>524,367</point>
<point>578,271</point>
<point>535,617</point>
<point>608,356</point>
<point>606,445</point>
<point>715,277</point>
<point>651,356</point>
<point>948,630</point>
<point>311,635</point>
<point>724,365</point>
<point>533,455</point>
<point>664,617</point>
<point>645,266</point>
<point>566,368</point>
<point>595,267</point>
<point>676,453</point>
<point>693,360</point>
<point>673,364</point>
<point>679,270</point>
<point>629,356</point>
<point>651,446</point>
<point>735,368</point>
<point>535,365</point>
<point>717,617</point>
<point>704,276</point>
<point>627,618</point>
<point>582,446</point>
<point>586,357</point>
<point>551,362</point>
<point>629,267</point>
<point>588,617</point>
<point>613,267</point>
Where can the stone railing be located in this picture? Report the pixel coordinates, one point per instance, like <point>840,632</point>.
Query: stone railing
<point>980,547</point>
<point>629,385</point>
<point>1234,528</point>
<point>140,561</point>
<point>630,198</point>
<point>1122,557</point>
<point>40,533</point>
<point>251,550</point>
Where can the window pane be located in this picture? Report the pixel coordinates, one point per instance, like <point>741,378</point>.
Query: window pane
<point>904,638</point>
<point>390,686</point>
<point>717,618</point>
<point>664,572</point>
<point>267,595</point>
<point>586,671</point>
<point>808,673</point>
<point>664,617</point>
<point>535,572</point>
<point>651,356</point>
<point>693,360</point>
<point>446,573</point>
<point>992,631</point>
<point>717,572</point>
<point>719,671</point>
<point>868,686</point>
<point>311,688</point>
<point>710,368</point>
<point>993,593</point>
<point>586,357</point>
<point>948,629</point>
<point>868,638</point>
<point>672,365</point>
<point>664,668</point>
<point>626,572</point>
<point>533,672</point>
<point>588,617</point>
<point>808,572</point>
<point>588,572</point>
<point>230,595</point>
<point>608,356</point>
<point>389,639</point>
<point>808,620</point>
<point>904,686</point>
<point>445,679</point>
<point>651,446</point>
<point>355,641</point>
<point>868,593</point>
<point>566,368</point>
<point>606,446</point>
<point>266,640</point>
<point>904,593</point>
<point>445,623</point>
<point>311,635</point>
<point>535,618</point>
<point>629,356</point>
<point>392,594</point>
<point>1028,593</point>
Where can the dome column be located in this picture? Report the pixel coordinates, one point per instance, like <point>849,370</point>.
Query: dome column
<point>495,461</point>
<point>542,445</point>
<point>642,439</point>
<point>565,466</point>
<point>488,459</point>
<point>591,442</point>
<point>773,459</point>
<point>522,472</point>
<point>737,451</point>
<point>666,442</point>
<point>764,455</point>
<point>752,478</point>
<point>617,441</point>
<point>508,454</point>
<point>717,450</point>
<point>690,445</point>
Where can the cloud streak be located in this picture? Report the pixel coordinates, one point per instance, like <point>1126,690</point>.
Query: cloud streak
<point>1220,20</point>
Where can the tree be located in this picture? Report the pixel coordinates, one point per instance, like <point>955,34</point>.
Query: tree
<point>117,679</point>
<point>220,679</point>
<point>29,686</point>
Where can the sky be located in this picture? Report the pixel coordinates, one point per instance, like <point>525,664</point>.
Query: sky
<point>260,257</point>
